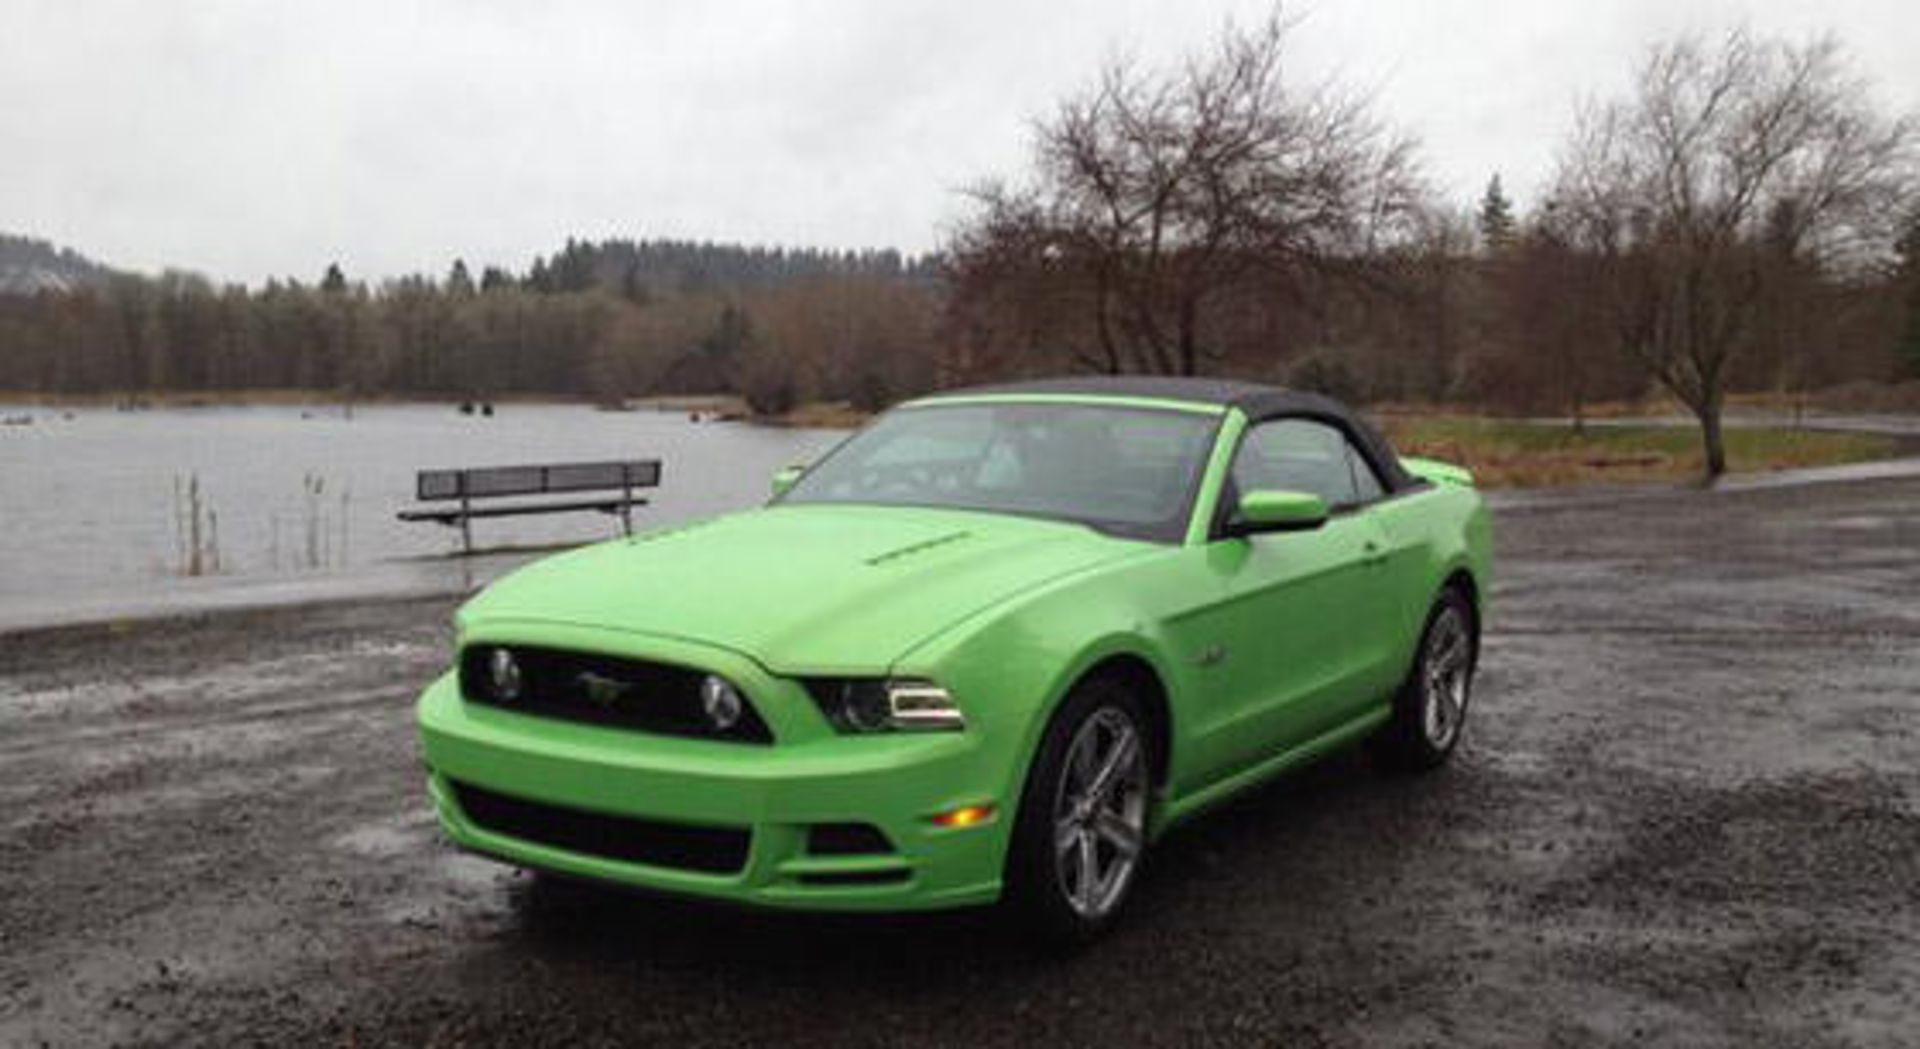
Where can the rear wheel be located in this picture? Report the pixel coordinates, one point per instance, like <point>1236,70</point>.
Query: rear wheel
<point>1081,833</point>
<point>1430,711</point>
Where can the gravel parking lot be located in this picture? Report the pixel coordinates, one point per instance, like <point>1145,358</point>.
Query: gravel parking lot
<point>1687,812</point>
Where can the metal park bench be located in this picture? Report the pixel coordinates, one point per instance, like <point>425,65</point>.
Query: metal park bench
<point>498,482</point>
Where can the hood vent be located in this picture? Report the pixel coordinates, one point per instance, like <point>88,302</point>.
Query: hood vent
<point>916,548</point>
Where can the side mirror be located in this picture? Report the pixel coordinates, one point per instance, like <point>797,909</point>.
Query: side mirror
<point>786,477</point>
<point>1276,511</point>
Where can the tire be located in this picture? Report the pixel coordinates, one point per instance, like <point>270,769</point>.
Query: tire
<point>1072,822</point>
<point>1430,710</point>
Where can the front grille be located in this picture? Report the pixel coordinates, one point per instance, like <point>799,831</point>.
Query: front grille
<point>606,690</point>
<point>711,850</point>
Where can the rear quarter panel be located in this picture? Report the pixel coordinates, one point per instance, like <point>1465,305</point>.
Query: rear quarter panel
<point>1433,532</point>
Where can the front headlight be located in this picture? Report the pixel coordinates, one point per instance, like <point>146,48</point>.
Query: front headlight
<point>857,705</point>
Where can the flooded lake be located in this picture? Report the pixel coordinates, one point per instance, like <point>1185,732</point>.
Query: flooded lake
<point>98,504</point>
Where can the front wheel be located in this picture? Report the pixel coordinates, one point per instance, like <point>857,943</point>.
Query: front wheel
<point>1081,832</point>
<point>1430,712</point>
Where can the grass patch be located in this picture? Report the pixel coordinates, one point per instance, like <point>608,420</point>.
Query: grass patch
<point>1511,454</point>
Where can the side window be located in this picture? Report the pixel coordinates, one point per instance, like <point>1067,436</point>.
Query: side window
<point>1301,455</point>
<point>1366,483</point>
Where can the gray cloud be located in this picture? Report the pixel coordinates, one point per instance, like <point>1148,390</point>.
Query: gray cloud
<point>246,139</point>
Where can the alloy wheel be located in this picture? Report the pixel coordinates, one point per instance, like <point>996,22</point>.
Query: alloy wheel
<point>1100,812</point>
<point>1447,670</point>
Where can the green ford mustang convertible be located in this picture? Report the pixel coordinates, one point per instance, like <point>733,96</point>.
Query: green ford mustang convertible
<point>991,646</point>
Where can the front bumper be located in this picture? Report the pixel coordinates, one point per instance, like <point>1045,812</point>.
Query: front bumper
<point>893,782</point>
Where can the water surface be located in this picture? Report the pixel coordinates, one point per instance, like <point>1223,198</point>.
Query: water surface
<point>96,511</point>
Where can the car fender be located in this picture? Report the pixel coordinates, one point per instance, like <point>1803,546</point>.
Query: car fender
<point>1472,555</point>
<point>1124,645</point>
<point>1015,667</point>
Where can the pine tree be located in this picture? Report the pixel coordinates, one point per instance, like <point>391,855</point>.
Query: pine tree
<point>1496,216</point>
<point>573,268</point>
<point>539,278</point>
<point>459,281</point>
<point>335,282</point>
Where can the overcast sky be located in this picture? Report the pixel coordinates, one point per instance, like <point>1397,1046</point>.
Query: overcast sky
<point>247,139</point>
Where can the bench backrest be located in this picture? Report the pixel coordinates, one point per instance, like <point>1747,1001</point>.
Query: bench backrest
<point>488,481</point>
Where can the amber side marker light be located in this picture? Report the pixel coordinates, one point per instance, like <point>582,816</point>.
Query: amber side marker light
<point>963,817</point>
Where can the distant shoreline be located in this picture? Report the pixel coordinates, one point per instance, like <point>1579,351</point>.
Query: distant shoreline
<point>303,396</point>
<point>830,415</point>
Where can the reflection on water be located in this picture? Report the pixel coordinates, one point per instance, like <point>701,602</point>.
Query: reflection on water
<point>104,508</point>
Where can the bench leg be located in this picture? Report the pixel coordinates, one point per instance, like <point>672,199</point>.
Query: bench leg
<point>466,529</point>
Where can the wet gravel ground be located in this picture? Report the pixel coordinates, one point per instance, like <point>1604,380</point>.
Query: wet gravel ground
<point>1688,813</point>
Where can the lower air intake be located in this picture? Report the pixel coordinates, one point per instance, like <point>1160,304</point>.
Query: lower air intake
<point>709,850</point>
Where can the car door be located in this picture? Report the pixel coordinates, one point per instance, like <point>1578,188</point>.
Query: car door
<point>1294,631</point>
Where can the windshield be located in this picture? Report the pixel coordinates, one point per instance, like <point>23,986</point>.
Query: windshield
<point>1128,471</point>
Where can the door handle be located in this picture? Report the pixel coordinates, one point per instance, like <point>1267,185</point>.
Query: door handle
<point>1375,554</point>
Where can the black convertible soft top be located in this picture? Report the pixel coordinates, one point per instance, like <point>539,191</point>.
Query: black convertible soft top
<point>1259,403</point>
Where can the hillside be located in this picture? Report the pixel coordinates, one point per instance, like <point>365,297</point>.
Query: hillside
<point>647,268</point>
<point>28,265</point>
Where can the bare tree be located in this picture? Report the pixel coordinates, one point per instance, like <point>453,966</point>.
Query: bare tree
<point>1156,194</point>
<point>1435,283</point>
<point>1551,343</point>
<point>1724,161</point>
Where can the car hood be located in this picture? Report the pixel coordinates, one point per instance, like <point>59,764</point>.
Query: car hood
<point>802,589</point>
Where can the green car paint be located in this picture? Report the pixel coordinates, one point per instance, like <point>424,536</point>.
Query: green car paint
<point>1438,472</point>
<point>1263,651</point>
<point>1282,511</point>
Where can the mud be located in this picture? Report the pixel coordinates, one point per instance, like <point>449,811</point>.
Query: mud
<point>1688,813</point>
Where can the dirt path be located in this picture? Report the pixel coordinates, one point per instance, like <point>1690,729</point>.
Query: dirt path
<point>1688,813</point>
